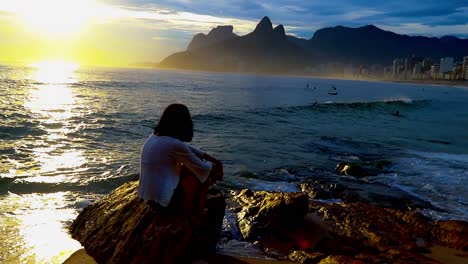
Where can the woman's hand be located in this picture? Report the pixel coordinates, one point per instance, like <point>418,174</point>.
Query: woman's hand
<point>217,172</point>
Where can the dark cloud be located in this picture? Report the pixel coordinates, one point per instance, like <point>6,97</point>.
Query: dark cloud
<point>306,16</point>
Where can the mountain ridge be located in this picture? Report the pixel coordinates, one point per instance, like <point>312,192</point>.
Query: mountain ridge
<point>268,49</point>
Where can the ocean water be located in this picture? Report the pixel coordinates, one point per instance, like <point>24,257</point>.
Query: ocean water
<point>68,136</point>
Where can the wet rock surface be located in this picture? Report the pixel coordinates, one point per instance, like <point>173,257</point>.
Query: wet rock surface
<point>362,169</point>
<point>350,190</point>
<point>335,219</point>
<point>345,232</point>
<point>121,228</point>
<point>269,212</point>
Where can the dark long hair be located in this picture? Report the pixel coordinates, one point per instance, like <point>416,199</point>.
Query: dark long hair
<point>175,122</point>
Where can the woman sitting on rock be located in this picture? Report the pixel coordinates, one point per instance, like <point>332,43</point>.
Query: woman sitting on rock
<point>175,177</point>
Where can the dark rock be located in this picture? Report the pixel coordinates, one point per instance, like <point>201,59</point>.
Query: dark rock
<point>120,228</point>
<point>269,212</point>
<point>452,234</point>
<point>382,235</point>
<point>361,169</point>
<point>316,191</point>
<point>374,226</point>
<point>340,260</point>
<point>306,257</point>
<point>305,236</point>
<point>351,190</point>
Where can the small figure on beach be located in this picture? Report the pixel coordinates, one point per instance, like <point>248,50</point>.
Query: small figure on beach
<point>175,178</point>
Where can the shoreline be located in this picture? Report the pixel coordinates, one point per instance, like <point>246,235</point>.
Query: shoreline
<point>460,84</point>
<point>455,83</point>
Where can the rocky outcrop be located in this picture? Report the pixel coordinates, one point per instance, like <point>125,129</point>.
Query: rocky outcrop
<point>120,228</point>
<point>269,212</point>
<point>452,234</point>
<point>363,169</point>
<point>372,223</point>
<point>306,257</point>
<point>343,232</point>
<point>350,190</point>
<point>378,235</point>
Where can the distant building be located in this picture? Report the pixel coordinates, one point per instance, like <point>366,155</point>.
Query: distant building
<point>388,72</point>
<point>457,71</point>
<point>396,67</point>
<point>465,68</point>
<point>446,65</point>
<point>417,71</point>
<point>435,69</point>
<point>427,63</point>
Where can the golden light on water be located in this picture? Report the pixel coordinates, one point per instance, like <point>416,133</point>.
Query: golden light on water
<point>52,100</point>
<point>55,72</point>
<point>42,228</point>
<point>41,217</point>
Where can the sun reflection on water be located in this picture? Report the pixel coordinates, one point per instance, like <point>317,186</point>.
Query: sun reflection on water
<point>42,228</point>
<point>52,103</point>
<point>54,72</point>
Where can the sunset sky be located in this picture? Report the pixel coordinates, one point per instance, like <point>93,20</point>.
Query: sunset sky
<point>122,32</point>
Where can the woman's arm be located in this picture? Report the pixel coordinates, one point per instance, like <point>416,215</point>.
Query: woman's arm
<point>217,172</point>
<point>183,154</point>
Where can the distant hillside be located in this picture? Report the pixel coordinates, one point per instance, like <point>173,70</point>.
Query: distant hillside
<point>269,49</point>
<point>370,44</point>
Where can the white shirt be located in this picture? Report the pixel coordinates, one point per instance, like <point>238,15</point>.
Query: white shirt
<point>161,163</point>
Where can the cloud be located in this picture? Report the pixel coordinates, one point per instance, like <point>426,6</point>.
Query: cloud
<point>172,19</point>
<point>427,30</point>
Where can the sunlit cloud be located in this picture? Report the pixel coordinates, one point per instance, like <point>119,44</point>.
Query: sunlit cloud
<point>59,15</point>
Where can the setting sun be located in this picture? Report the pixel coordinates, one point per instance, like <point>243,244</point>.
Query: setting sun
<point>54,71</point>
<point>55,18</point>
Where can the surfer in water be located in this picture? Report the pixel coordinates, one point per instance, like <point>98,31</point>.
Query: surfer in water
<point>397,113</point>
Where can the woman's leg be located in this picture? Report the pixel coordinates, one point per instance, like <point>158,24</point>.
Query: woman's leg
<point>195,194</point>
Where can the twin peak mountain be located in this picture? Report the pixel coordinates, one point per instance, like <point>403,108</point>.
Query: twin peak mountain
<point>270,50</point>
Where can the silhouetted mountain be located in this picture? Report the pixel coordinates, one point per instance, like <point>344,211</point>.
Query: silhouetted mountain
<point>269,49</point>
<point>370,44</point>
<point>263,50</point>
<point>217,34</point>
